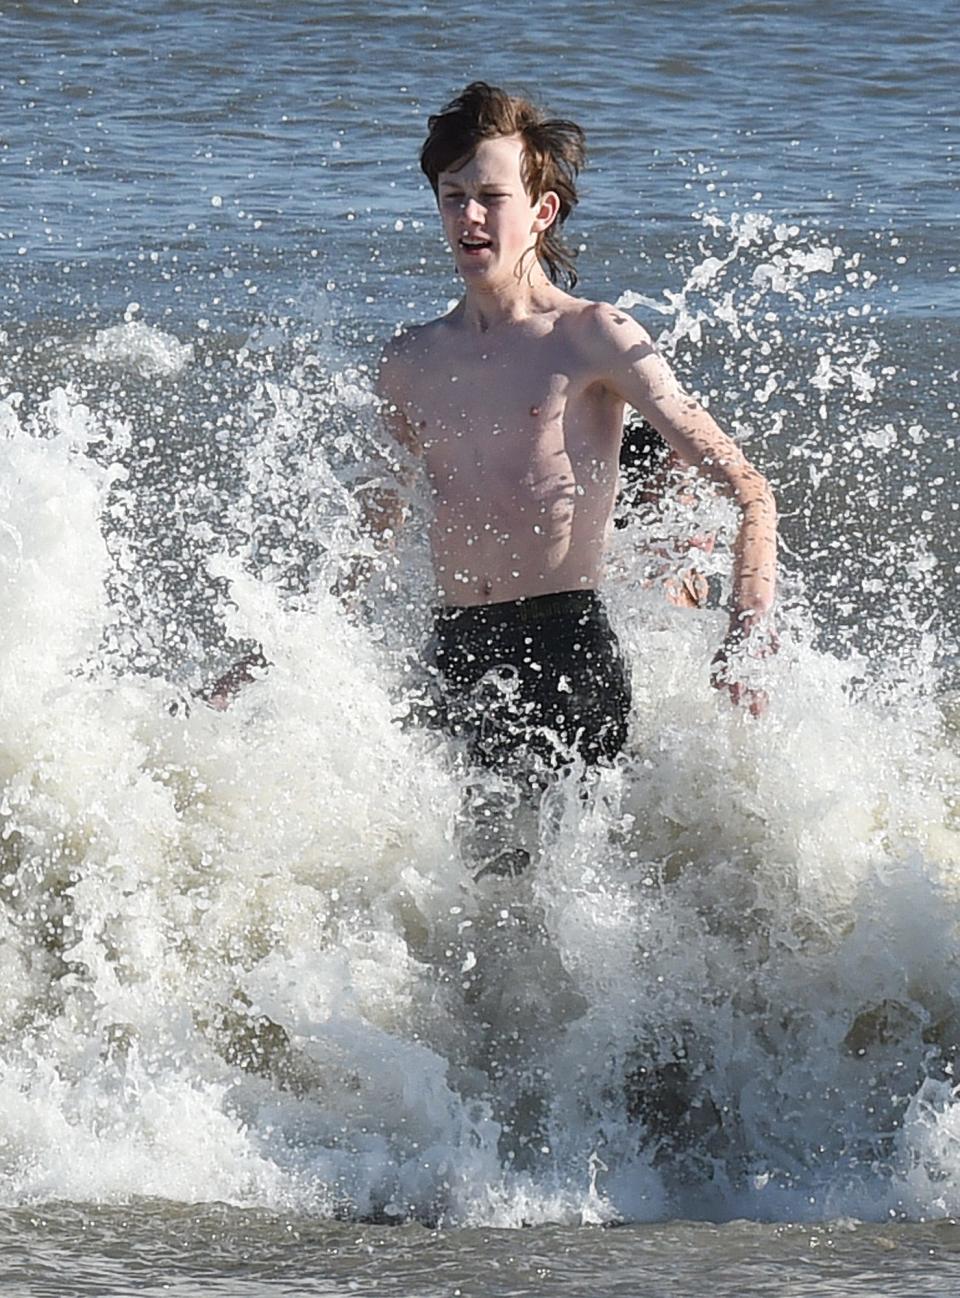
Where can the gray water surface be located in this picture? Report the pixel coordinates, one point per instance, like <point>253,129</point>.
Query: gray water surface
<point>162,1249</point>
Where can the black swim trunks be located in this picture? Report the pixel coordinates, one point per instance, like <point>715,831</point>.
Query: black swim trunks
<point>541,677</point>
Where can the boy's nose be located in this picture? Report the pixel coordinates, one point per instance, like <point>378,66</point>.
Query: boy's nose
<point>473,209</point>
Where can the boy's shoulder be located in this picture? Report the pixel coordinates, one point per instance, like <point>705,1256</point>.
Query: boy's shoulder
<point>604,337</point>
<point>401,357</point>
<point>605,322</point>
<point>409,347</point>
<point>599,327</point>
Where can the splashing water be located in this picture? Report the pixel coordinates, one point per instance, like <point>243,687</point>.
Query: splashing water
<point>243,958</point>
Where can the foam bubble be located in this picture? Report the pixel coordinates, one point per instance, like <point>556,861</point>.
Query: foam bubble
<point>135,345</point>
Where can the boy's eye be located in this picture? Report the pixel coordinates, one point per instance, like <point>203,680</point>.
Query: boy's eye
<point>452,196</point>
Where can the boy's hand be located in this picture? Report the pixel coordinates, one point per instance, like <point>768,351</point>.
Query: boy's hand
<point>747,638</point>
<point>688,589</point>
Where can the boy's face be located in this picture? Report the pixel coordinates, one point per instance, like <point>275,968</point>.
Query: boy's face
<point>488,217</point>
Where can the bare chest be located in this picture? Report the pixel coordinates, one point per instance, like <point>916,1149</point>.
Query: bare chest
<point>510,421</point>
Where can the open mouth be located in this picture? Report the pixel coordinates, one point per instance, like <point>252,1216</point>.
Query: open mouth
<point>469,243</point>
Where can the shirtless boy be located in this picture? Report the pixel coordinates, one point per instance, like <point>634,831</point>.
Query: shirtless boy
<point>514,403</point>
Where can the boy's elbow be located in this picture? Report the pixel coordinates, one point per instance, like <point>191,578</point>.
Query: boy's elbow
<point>768,496</point>
<point>755,491</point>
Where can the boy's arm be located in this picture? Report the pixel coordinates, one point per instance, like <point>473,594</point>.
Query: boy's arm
<point>381,499</point>
<point>631,366</point>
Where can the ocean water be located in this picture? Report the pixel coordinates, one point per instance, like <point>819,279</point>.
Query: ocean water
<point>260,1030</point>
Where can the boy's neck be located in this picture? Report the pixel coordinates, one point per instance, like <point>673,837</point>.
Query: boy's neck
<point>483,308</point>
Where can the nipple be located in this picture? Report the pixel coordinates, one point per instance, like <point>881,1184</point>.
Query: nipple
<point>534,411</point>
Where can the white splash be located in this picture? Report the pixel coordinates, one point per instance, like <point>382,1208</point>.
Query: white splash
<point>136,345</point>
<point>244,960</point>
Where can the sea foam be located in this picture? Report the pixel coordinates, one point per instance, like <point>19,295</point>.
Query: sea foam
<point>244,954</point>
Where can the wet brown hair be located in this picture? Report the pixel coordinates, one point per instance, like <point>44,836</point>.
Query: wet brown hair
<point>554,150</point>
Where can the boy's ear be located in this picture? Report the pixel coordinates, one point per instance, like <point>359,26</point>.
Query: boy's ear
<point>546,212</point>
